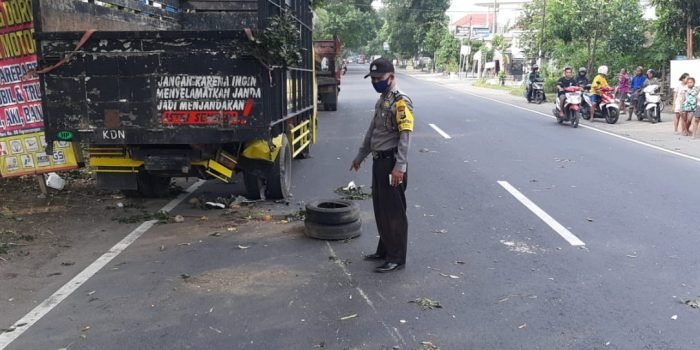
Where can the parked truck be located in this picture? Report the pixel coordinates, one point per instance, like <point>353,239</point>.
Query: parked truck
<point>180,88</point>
<point>329,66</point>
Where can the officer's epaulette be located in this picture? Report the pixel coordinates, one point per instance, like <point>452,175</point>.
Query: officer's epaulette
<point>398,95</point>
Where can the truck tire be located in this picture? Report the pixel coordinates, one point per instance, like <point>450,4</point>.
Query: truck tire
<point>332,212</point>
<point>279,181</point>
<point>152,186</point>
<point>333,232</point>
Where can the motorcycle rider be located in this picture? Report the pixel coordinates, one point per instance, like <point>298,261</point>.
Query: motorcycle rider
<point>582,79</point>
<point>651,80</point>
<point>599,82</point>
<point>534,75</point>
<point>564,82</point>
<point>636,87</point>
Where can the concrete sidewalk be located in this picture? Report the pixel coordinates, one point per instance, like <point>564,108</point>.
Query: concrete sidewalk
<point>660,134</point>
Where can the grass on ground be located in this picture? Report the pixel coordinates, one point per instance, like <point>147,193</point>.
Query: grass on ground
<point>511,89</point>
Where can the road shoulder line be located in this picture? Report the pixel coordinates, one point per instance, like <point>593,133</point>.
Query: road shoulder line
<point>41,310</point>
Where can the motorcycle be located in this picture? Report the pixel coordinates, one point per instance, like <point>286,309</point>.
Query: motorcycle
<point>572,106</point>
<point>537,91</point>
<point>630,107</point>
<point>652,104</point>
<point>608,107</point>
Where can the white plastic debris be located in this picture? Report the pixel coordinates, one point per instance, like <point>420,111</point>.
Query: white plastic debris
<point>214,205</point>
<point>55,181</point>
<point>351,186</point>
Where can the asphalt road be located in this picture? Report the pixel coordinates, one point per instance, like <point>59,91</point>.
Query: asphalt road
<point>519,284</point>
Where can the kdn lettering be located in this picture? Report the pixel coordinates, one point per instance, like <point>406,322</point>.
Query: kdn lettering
<point>113,134</point>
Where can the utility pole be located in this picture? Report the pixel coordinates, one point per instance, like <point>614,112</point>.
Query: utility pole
<point>544,13</point>
<point>690,31</point>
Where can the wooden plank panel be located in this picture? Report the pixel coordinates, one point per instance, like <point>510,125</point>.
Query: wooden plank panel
<point>220,5</point>
<point>72,15</point>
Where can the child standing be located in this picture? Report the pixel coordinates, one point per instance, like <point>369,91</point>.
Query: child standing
<point>678,96</point>
<point>690,103</point>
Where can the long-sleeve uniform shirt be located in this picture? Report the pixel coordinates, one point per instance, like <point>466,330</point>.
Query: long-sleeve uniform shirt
<point>390,128</point>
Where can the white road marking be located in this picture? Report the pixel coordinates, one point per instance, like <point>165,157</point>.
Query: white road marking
<point>396,336</point>
<point>439,131</point>
<point>556,226</point>
<point>67,289</point>
<point>642,143</point>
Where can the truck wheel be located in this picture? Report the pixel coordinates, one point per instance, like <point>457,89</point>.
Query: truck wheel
<point>333,232</point>
<point>279,182</point>
<point>152,186</point>
<point>253,185</point>
<point>332,212</point>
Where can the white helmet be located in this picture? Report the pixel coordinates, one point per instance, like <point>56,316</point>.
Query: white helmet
<point>603,70</point>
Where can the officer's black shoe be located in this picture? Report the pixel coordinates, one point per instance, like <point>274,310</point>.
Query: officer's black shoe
<point>388,267</point>
<point>374,256</point>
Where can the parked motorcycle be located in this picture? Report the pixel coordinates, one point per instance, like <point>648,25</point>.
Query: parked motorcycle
<point>537,91</point>
<point>608,107</point>
<point>572,106</point>
<point>629,107</point>
<point>652,104</point>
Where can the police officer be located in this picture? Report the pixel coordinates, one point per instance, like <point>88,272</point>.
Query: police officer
<point>387,140</point>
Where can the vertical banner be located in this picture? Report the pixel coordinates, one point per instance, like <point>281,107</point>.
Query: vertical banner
<point>22,143</point>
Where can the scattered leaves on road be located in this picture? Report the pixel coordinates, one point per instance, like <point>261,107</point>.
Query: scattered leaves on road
<point>522,326</point>
<point>185,276</point>
<point>243,246</point>
<point>427,304</point>
<point>339,260</point>
<point>694,303</point>
<point>161,216</point>
<point>429,345</point>
<point>353,193</point>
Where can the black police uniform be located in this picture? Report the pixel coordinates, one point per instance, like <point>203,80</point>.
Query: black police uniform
<point>388,141</point>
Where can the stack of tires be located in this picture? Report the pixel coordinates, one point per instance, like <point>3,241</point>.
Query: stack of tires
<point>333,219</point>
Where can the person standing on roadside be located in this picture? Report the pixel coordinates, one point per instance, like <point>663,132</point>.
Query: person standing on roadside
<point>388,140</point>
<point>623,84</point>
<point>690,104</point>
<point>636,87</point>
<point>678,97</point>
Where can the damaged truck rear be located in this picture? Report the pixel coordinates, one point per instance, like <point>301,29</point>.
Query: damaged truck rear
<point>178,88</point>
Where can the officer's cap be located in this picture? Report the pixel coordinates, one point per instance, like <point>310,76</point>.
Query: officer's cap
<point>379,67</point>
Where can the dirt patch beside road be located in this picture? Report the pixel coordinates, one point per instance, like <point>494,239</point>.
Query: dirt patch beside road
<point>258,280</point>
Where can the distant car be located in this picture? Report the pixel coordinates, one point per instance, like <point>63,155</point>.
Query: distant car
<point>361,60</point>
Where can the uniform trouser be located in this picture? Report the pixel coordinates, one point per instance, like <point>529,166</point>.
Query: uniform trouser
<point>389,212</point>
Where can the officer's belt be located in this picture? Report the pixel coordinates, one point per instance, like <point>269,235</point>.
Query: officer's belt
<point>384,154</point>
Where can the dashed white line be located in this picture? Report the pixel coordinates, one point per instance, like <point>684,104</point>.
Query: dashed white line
<point>439,131</point>
<point>556,226</point>
<point>23,324</point>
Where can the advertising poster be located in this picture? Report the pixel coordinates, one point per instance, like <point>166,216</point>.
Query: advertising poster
<point>22,145</point>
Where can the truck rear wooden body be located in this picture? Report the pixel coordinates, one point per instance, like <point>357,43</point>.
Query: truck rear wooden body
<point>180,89</point>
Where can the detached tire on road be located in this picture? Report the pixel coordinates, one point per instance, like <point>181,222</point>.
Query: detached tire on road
<point>332,212</point>
<point>333,232</point>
